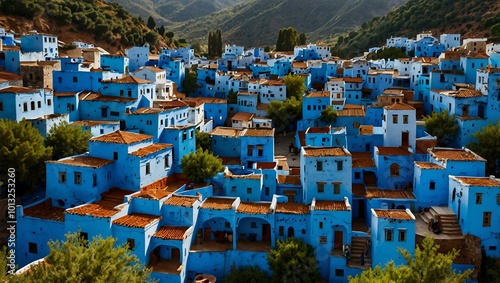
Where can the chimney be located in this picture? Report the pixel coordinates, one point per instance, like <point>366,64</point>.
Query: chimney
<point>492,177</point>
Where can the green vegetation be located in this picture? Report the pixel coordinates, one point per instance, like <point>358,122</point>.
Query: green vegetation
<point>328,115</point>
<point>488,145</point>
<point>426,265</point>
<point>232,97</point>
<point>67,140</point>
<point>215,43</point>
<point>249,274</point>
<point>23,149</point>
<point>295,86</point>
<point>79,260</point>
<point>388,53</point>
<point>293,261</point>
<point>490,269</point>
<point>200,166</point>
<point>288,38</point>
<point>203,141</point>
<point>443,126</point>
<point>189,84</point>
<point>285,113</point>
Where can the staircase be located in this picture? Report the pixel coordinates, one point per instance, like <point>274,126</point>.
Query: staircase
<point>449,223</point>
<point>358,247</point>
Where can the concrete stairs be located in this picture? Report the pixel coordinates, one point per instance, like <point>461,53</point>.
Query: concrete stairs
<point>357,247</point>
<point>449,223</point>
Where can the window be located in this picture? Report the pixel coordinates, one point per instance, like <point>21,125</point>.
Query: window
<point>32,105</point>
<point>357,175</point>
<point>319,165</point>
<point>394,170</point>
<point>167,162</point>
<point>39,104</point>
<point>260,150</point>
<point>32,248</point>
<point>253,225</point>
<point>498,198</point>
<point>148,168</point>
<point>336,188</point>
<point>75,79</point>
<point>249,150</point>
<point>388,235</point>
<point>394,119</point>
<point>321,188</point>
<point>49,102</point>
<point>479,198</point>
<point>233,189</point>
<point>249,190</point>
<point>1,106</point>
<point>227,225</point>
<point>62,177</point>
<point>405,119</point>
<point>115,155</point>
<point>121,92</point>
<point>321,225</point>
<point>402,235</point>
<point>322,239</point>
<point>432,185</point>
<point>129,93</point>
<point>266,191</point>
<point>130,244</point>
<point>281,231</point>
<point>339,272</point>
<point>486,219</point>
<point>78,178</point>
<point>340,165</point>
<point>356,124</point>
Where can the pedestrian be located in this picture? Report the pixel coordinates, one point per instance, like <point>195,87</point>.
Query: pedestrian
<point>347,252</point>
<point>362,258</point>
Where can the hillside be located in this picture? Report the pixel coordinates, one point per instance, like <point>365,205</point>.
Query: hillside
<point>470,18</point>
<point>257,22</point>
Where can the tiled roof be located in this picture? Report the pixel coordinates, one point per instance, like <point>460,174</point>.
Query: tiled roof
<point>83,161</point>
<point>479,182</point>
<point>289,179</point>
<point>266,165</point>
<point>262,106</point>
<point>393,194</point>
<point>128,80</point>
<point>351,112</point>
<point>218,203</point>
<point>226,132</point>
<point>454,154</point>
<point>136,220</point>
<point>9,76</point>
<point>318,130</point>
<point>359,190</point>
<point>184,201</point>
<point>160,188</point>
<point>17,89</point>
<point>96,96</point>
<point>147,110</point>
<point>461,93</point>
<point>152,68</point>
<point>330,205</point>
<point>100,209</point>
<point>64,94</point>
<point>353,80</point>
<point>230,160</point>
<point>428,165</point>
<point>317,94</point>
<point>258,132</point>
<point>122,137</point>
<point>242,116</point>
<point>353,106</point>
<point>393,214</point>
<point>45,210</point>
<point>254,208</point>
<point>384,150</point>
<point>292,208</point>
<point>207,100</point>
<point>171,232</point>
<point>249,176</point>
<point>362,160</point>
<point>298,64</point>
<point>150,149</point>
<point>92,123</point>
<point>325,151</point>
<point>399,106</point>
<point>173,104</point>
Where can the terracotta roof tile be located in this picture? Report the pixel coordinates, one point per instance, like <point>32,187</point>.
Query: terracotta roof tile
<point>393,194</point>
<point>299,64</point>
<point>136,220</point>
<point>148,110</point>
<point>45,210</point>
<point>261,132</point>
<point>9,76</point>
<point>99,209</point>
<point>122,137</point>
<point>399,106</point>
<point>92,123</point>
<point>242,116</point>
<point>160,188</point>
<point>64,94</point>
<point>183,201</point>
<point>353,80</point>
<point>152,68</point>
<point>461,93</point>
<point>351,112</point>
<point>289,179</point>
<point>83,161</point>
<point>393,214</point>
<point>428,165</point>
<point>454,154</point>
<point>173,104</point>
<point>363,163</point>
<point>359,190</point>
<point>266,165</point>
<point>292,208</point>
<point>18,90</point>
<point>171,232</point>
<point>330,205</point>
<point>254,208</point>
<point>218,203</point>
<point>479,182</point>
<point>128,80</point>
<point>249,176</point>
<point>262,106</point>
<point>207,100</point>
<point>385,150</point>
<point>226,132</point>
<point>325,151</point>
<point>96,96</point>
<point>150,149</point>
<point>318,94</point>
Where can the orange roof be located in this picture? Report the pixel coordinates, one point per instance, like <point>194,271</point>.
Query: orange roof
<point>292,208</point>
<point>64,94</point>
<point>363,162</point>
<point>226,132</point>
<point>171,232</point>
<point>461,93</point>
<point>96,96</point>
<point>136,220</point>
<point>254,208</point>
<point>83,161</point>
<point>128,80</point>
<point>258,132</point>
<point>266,165</point>
<point>173,104</point>
<point>150,149</point>
<point>207,100</point>
<point>152,68</point>
<point>454,154</point>
<point>318,94</point>
<point>148,110</point>
<point>45,210</point>
<point>351,112</point>
<point>399,106</point>
<point>242,116</point>
<point>393,214</point>
<point>289,179</point>
<point>394,194</point>
<point>325,151</point>
<point>160,188</point>
<point>104,208</point>
<point>330,205</point>
<point>262,106</point>
<point>218,203</point>
<point>9,76</point>
<point>385,150</point>
<point>479,182</point>
<point>92,123</point>
<point>353,80</point>
<point>298,64</point>
<point>428,165</point>
<point>358,190</point>
<point>184,201</point>
<point>249,176</point>
<point>122,137</point>
<point>18,90</point>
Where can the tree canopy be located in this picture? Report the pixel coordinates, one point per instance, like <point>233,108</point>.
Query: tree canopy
<point>151,23</point>
<point>189,84</point>
<point>79,260</point>
<point>295,86</point>
<point>488,146</point>
<point>293,261</point>
<point>215,43</point>
<point>328,115</point>
<point>67,140</point>
<point>443,126</point>
<point>285,114</point>
<point>426,265</point>
<point>288,38</point>
<point>22,148</point>
<point>200,166</point>
<point>203,141</point>
<point>249,274</point>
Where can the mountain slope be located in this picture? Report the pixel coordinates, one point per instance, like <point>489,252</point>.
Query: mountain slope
<point>257,22</point>
<point>470,18</point>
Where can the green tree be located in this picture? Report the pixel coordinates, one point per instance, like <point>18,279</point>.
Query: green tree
<point>249,274</point>
<point>488,145</point>
<point>200,166</point>
<point>169,34</point>
<point>490,269</point>
<point>302,39</point>
<point>189,84</point>
<point>443,126</point>
<point>151,37</point>
<point>22,148</point>
<point>78,260</point>
<point>67,140</point>
<point>285,114</point>
<point>295,86</point>
<point>203,141</point>
<point>161,30</point>
<point>288,38</point>
<point>328,115</point>
<point>151,23</point>
<point>426,265</point>
<point>4,275</point>
<point>232,97</point>
<point>293,261</point>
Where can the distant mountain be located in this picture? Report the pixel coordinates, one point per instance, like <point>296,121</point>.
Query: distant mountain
<point>470,18</point>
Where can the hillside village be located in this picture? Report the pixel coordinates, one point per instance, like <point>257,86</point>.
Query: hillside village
<point>373,179</point>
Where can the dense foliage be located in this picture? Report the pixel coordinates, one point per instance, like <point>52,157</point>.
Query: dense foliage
<point>443,126</point>
<point>488,146</point>
<point>203,141</point>
<point>249,274</point>
<point>295,86</point>
<point>67,140</point>
<point>288,38</point>
<point>426,265</point>
<point>189,85</point>
<point>215,43</point>
<point>200,166</point>
<point>285,114</point>
<point>328,115</point>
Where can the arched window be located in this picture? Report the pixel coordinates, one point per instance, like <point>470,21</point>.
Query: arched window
<point>394,170</point>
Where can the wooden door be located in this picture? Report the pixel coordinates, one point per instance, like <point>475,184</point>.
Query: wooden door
<point>266,232</point>
<point>207,232</point>
<point>337,239</point>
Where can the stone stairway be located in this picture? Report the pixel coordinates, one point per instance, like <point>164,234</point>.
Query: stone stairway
<point>358,247</point>
<point>449,223</point>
